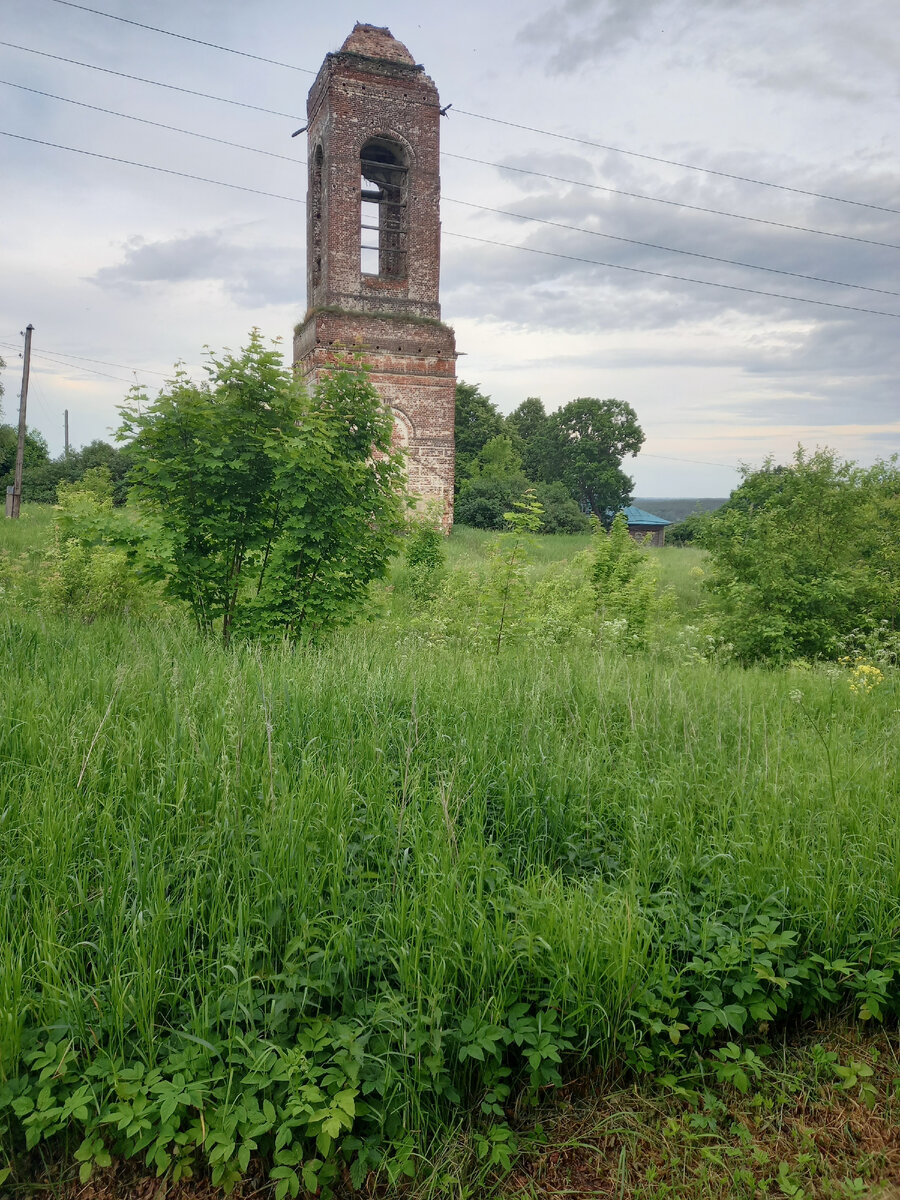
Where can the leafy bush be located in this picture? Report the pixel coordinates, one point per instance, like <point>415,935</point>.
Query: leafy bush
<point>426,555</point>
<point>626,585</point>
<point>688,531</point>
<point>561,513</point>
<point>483,501</point>
<point>88,568</point>
<point>41,480</point>
<point>804,555</point>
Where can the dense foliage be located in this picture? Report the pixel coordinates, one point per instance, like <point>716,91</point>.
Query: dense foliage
<point>44,475</point>
<point>584,443</point>
<point>273,509</point>
<point>572,458</point>
<point>35,456</point>
<point>805,556</point>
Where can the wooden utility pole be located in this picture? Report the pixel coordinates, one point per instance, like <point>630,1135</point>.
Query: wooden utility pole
<point>66,430</point>
<point>20,445</point>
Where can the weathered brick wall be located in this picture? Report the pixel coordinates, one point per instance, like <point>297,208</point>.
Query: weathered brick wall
<point>372,88</point>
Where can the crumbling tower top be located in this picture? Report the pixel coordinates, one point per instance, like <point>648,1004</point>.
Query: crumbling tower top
<point>374,41</point>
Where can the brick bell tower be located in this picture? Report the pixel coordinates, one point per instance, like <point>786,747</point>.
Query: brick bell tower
<point>373,246</point>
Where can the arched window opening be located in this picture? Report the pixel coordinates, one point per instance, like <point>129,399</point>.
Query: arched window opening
<point>316,209</point>
<point>383,222</point>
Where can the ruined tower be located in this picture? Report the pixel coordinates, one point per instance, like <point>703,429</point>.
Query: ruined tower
<point>373,245</point>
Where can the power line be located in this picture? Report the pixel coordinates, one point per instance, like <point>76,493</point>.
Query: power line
<point>468,237</point>
<point>699,462</point>
<point>669,249</point>
<point>730,287</point>
<point>482,162</point>
<point>74,366</point>
<point>105,363</point>
<point>597,187</point>
<point>483,208</point>
<point>59,356</point>
<point>671,162</point>
<point>470,204</point>
<point>184,38</point>
<point>154,82</point>
<point>239,187</point>
<point>156,124</point>
<point>89,370</point>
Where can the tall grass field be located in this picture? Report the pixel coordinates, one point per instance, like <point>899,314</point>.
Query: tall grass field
<point>319,906</point>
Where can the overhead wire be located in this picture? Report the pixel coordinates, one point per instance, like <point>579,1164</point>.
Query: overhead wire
<point>112,112</point>
<point>472,204</point>
<point>41,354</point>
<point>671,162</point>
<point>730,287</point>
<point>238,187</point>
<point>501,166</point>
<point>104,362</point>
<point>668,249</point>
<point>699,462</point>
<point>274,62</point>
<point>484,241</point>
<point>88,370</point>
<point>153,82</point>
<point>597,187</point>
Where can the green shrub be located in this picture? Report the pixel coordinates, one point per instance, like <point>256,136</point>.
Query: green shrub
<point>630,604</point>
<point>88,570</point>
<point>561,512</point>
<point>688,531</point>
<point>426,556</point>
<point>804,556</point>
<point>483,501</point>
<point>274,510</point>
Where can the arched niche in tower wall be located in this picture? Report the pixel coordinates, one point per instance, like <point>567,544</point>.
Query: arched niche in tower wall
<point>403,429</point>
<point>384,208</point>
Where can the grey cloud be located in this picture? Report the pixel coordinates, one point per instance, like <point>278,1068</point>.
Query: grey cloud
<point>815,47</point>
<point>200,256</point>
<point>251,275</point>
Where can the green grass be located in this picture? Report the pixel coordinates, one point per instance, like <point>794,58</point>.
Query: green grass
<point>203,851</point>
<point>467,545</point>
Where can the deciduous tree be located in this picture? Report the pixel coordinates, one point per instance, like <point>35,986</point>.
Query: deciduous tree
<point>477,421</point>
<point>273,509</point>
<point>586,440</point>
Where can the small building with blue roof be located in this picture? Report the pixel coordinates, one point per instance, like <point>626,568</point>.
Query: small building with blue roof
<point>642,523</point>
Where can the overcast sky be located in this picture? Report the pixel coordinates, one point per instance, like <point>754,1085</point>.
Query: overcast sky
<point>138,269</point>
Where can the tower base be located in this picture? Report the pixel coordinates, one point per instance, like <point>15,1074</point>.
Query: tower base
<point>413,369</point>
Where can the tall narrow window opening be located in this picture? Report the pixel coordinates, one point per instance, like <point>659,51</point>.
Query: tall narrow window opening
<point>316,210</point>
<point>383,221</point>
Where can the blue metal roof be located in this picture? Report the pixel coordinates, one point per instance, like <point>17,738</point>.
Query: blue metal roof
<point>638,516</point>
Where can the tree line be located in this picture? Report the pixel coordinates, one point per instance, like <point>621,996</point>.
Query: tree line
<point>571,458</point>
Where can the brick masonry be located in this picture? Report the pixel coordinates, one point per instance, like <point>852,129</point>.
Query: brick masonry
<point>371,100</point>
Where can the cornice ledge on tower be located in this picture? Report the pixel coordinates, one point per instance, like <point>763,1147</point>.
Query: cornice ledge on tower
<point>334,310</point>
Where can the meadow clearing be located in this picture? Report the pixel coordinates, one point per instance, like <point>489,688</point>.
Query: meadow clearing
<point>379,911</point>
